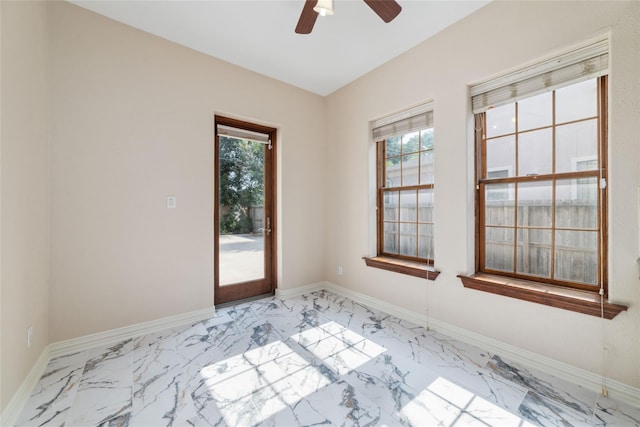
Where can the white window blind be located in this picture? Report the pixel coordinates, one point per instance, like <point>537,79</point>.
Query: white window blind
<point>407,121</point>
<point>572,67</point>
<point>231,132</point>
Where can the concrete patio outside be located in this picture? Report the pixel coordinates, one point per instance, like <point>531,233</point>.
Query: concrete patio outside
<point>241,258</point>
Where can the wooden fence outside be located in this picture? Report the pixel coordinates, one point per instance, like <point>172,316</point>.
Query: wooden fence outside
<point>575,256</point>
<point>256,213</point>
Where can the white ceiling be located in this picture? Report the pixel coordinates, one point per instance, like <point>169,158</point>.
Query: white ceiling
<point>259,34</point>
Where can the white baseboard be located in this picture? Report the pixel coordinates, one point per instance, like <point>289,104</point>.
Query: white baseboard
<point>301,290</point>
<point>9,416</point>
<point>115,335</point>
<point>11,413</point>
<point>589,380</point>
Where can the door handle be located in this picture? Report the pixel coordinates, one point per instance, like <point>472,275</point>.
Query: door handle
<point>267,229</point>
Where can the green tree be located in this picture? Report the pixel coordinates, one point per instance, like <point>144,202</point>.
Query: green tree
<point>241,182</point>
<point>406,147</point>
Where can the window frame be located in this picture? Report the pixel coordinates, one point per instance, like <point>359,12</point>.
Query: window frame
<point>586,299</point>
<point>600,174</point>
<point>414,119</point>
<point>382,188</point>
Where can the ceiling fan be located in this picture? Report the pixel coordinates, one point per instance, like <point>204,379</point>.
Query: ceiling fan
<point>387,10</point>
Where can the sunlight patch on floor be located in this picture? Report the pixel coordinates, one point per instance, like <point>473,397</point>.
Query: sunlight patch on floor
<point>265,379</point>
<point>444,403</point>
<point>270,378</point>
<point>339,348</point>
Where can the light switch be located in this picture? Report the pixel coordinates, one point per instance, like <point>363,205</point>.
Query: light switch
<point>171,202</point>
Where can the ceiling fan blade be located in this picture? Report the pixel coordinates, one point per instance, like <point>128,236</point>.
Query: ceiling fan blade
<point>307,17</point>
<point>387,10</point>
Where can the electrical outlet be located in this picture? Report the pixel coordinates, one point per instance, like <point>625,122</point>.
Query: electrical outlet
<point>29,336</point>
<point>339,270</point>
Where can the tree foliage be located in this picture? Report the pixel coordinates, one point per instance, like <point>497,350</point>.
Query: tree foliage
<point>241,182</point>
<point>408,146</point>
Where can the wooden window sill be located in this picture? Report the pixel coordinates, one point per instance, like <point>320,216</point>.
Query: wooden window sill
<point>554,296</point>
<point>412,268</point>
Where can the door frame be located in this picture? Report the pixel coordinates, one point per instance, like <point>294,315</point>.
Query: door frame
<point>240,291</point>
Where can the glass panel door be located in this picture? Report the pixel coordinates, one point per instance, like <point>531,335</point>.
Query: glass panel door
<point>241,207</point>
<point>243,214</point>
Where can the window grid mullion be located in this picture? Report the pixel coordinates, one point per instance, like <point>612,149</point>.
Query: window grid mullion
<point>481,192</point>
<point>419,159</point>
<point>570,122</point>
<point>398,216</point>
<point>552,255</point>
<point>417,252</point>
<point>401,168</point>
<point>516,197</point>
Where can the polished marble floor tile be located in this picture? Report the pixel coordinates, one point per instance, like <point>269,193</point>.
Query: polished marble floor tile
<point>319,359</point>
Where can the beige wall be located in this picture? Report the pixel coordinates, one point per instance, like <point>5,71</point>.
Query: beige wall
<point>132,122</point>
<point>497,38</point>
<point>24,278</point>
<point>129,120</point>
